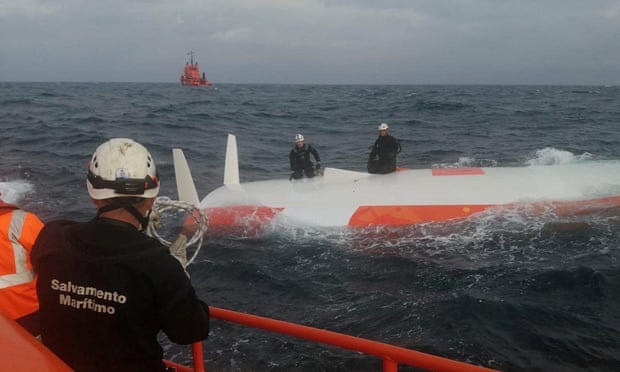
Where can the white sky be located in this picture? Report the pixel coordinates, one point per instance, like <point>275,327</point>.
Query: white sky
<point>313,41</point>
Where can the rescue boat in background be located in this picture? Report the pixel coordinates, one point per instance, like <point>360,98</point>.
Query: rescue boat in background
<point>191,73</point>
<point>357,199</point>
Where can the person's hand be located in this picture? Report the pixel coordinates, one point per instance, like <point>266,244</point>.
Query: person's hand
<point>318,165</point>
<point>178,249</point>
<point>155,219</point>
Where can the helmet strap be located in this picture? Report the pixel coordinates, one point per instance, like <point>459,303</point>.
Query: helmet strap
<point>128,205</point>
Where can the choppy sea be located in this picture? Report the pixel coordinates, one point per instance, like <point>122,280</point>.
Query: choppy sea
<point>515,293</point>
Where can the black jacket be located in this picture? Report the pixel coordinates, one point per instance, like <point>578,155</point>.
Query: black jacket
<point>106,290</point>
<point>300,157</point>
<point>385,148</point>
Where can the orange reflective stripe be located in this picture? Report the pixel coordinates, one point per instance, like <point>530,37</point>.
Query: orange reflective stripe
<point>15,232</point>
<point>18,231</point>
<point>22,273</point>
<point>10,280</point>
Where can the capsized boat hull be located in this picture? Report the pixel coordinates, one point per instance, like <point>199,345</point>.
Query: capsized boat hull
<point>344,198</point>
<point>357,199</point>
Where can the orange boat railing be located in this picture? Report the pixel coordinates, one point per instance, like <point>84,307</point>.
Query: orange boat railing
<point>198,364</point>
<point>390,354</point>
<point>18,347</point>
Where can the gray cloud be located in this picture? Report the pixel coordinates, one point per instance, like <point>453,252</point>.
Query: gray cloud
<point>313,41</point>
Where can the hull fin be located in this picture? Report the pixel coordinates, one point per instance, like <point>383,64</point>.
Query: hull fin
<point>185,183</point>
<point>231,168</point>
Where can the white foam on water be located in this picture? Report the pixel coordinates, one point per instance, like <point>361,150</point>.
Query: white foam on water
<point>14,191</point>
<point>553,156</point>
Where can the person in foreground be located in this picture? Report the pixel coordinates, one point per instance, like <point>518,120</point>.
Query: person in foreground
<point>382,157</point>
<point>105,288</point>
<point>18,296</point>
<point>300,159</point>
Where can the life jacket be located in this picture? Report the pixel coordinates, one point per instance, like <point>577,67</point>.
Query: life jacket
<point>18,231</point>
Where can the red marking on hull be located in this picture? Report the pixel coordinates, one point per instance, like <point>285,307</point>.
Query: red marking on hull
<point>249,220</point>
<point>243,219</point>
<point>241,214</point>
<point>412,214</point>
<point>457,171</point>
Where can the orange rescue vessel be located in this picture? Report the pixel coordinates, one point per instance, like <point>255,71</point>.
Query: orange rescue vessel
<point>191,73</point>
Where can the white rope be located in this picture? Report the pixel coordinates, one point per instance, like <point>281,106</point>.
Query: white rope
<point>163,204</point>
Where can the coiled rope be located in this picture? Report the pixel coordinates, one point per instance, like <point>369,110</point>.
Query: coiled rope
<point>164,204</point>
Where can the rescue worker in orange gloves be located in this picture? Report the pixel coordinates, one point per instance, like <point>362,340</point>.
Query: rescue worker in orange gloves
<point>18,296</point>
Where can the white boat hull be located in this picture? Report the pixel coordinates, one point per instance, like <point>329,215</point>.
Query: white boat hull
<point>355,199</point>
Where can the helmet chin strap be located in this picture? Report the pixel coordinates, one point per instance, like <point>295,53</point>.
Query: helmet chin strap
<point>128,205</point>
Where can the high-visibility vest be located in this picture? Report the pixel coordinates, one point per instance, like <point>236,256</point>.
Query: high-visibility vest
<point>18,231</point>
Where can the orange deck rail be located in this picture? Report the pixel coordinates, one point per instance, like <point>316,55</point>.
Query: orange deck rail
<point>21,351</point>
<point>390,354</point>
<point>198,361</point>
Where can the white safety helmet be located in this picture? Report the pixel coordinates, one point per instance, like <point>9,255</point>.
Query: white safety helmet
<point>299,138</point>
<point>122,167</point>
<point>383,126</point>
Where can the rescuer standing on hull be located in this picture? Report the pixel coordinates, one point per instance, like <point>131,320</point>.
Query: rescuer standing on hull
<point>382,158</point>
<point>300,159</point>
<point>105,288</point>
<point>18,295</point>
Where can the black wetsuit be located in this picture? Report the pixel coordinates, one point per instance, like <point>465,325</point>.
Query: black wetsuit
<point>385,148</point>
<point>300,161</point>
<point>106,290</point>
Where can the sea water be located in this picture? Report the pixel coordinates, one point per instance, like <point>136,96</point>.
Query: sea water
<point>503,290</point>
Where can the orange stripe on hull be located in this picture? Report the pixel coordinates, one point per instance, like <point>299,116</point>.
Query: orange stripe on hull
<point>236,219</point>
<point>240,214</point>
<point>248,220</point>
<point>412,214</point>
<point>583,207</point>
<point>457,171</point>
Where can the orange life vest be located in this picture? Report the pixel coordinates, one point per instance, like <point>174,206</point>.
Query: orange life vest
<point>18,231</point>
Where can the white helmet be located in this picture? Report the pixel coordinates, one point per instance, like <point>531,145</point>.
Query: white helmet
<point>383,126</point>
<point>299,138</point>
<point>122,167</point>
